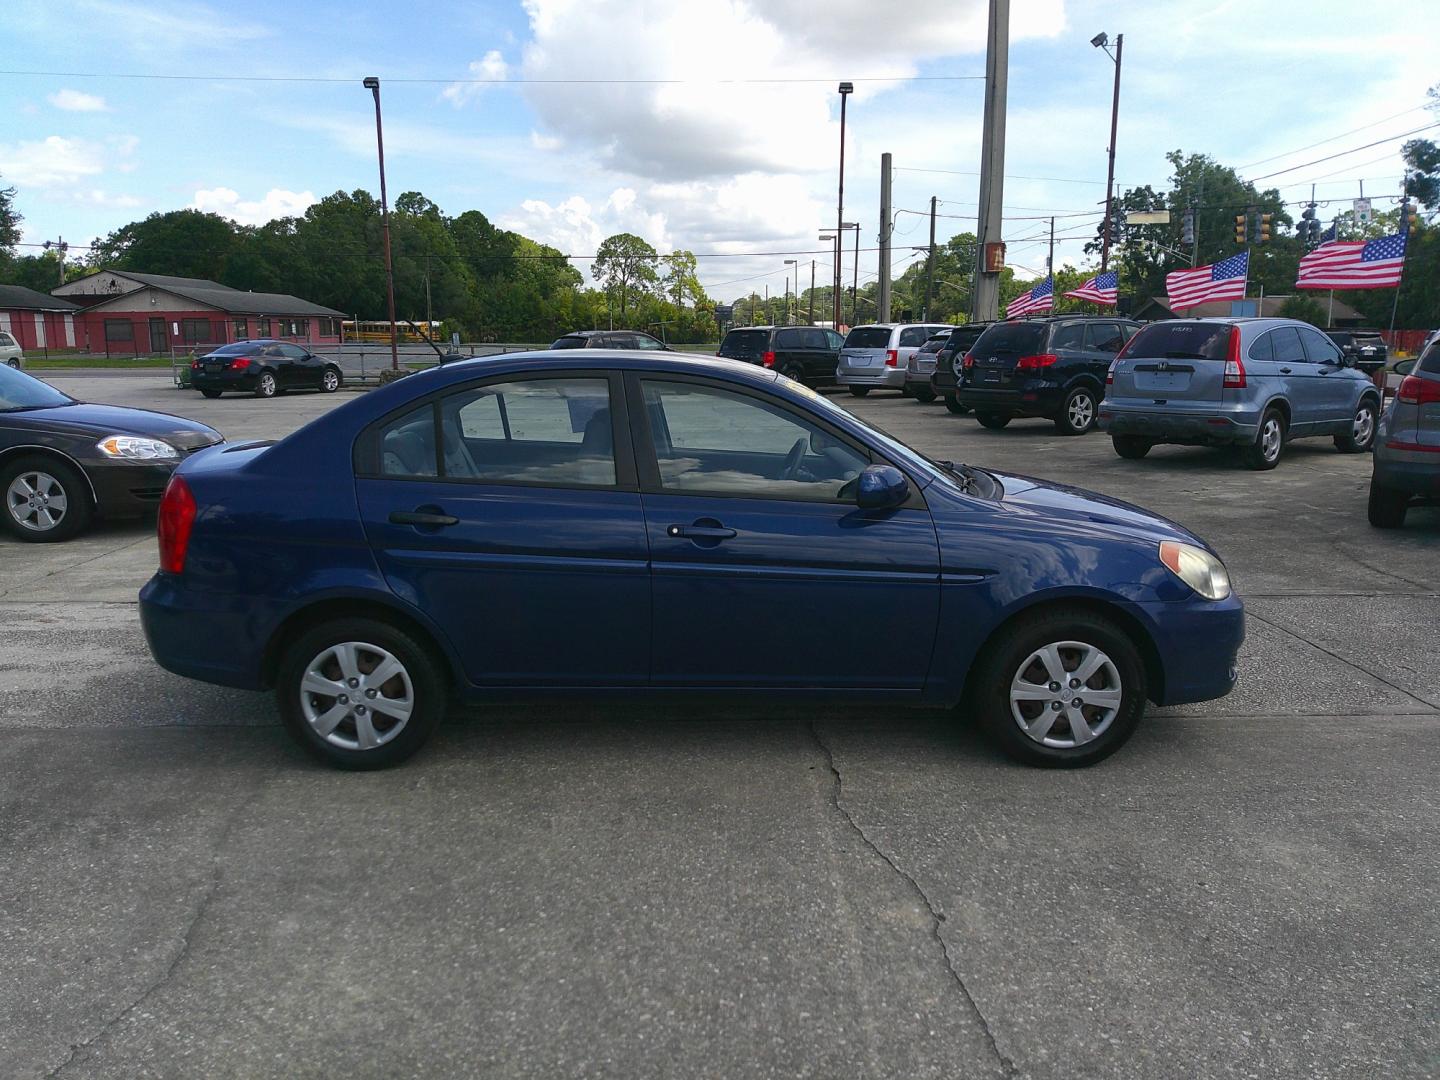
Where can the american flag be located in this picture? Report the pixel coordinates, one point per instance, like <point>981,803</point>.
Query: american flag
<point>1040,298</point>
<point>1102,289</point>
<point>1354,264</point>
<point>1224,280</point>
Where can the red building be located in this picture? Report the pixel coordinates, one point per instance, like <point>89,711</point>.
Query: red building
<point>128,314</point>
<point>37,322</point>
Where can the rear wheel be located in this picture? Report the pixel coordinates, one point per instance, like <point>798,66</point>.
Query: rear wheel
<point>1361,436</point>
<point>211,393</point>
<point>359,693</point>
<point>46,499</point>
<point>994,421</point>
<point>1131,446</point>
<point>859,391</point>
<point>1264,452</point>
<point>1077,415</point>
<point>1061,688</point>
<point>925,395</point>
<point>1387,506</point>
<point>953,404</point>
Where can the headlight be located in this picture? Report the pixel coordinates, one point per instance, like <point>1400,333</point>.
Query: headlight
<point>1197,568</point>
<point>134,448</point>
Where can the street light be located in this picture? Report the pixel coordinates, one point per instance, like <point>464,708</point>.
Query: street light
<point>834,247</point>
<point>1102,41</point>
<point>854,281</point>
<point>372,84</point>
<point>794,263</point>
<point>846,89</point>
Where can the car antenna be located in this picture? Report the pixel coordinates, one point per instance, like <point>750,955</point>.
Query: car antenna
<point>451,355</point>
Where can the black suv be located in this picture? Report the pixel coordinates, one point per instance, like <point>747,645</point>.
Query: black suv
<point>947,363</point>
<point>1365,348</point>
<point>609,339</point>
<point>806,354</point>
<point>1052,366</point>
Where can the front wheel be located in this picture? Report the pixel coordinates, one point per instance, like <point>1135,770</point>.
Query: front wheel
<point>1060,689</point>
<point>330,381</point>
<point>211,393</point>
<point>1131,447</point>
<point>266,386</point>
<point>859,391</point>
<point>925,396</point>
<point>1264,452</point>
<point>46,500</point>
<point>1387,506</point>
<point>993,421</point>
<point>1077,414</point>
<point>953,404</point>
<point>359,693</point>
<point>1361,436</point>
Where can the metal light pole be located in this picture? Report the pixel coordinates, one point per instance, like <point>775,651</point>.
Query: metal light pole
<point>795,263</point>
<point>834,239</point>
<point>812,291</point>
<point>372,84</point>
<point>1102,41</point>
<point>855,270</point>
<point>846,89</point>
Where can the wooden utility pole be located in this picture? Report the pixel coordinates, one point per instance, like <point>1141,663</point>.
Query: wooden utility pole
<point>930,261</point>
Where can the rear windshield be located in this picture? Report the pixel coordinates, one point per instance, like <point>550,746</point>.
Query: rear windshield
<point>242,348</point>
<point>1341,339</point>
<point>965,336</point>
<point>935,344</point>
<point>1196,340</point>
<point>745,343</point>
<point>868,337</point>
<point>1016,337</point>
<point>569,343</point>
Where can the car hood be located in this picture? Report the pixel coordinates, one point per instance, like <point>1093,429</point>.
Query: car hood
<point>83,418</point>
<point>1072,504</point>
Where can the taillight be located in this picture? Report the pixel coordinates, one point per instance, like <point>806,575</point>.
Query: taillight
<point>177,515</point>
<point>194,365</point>
<point>1110,372</point>
<point>1035,363</point>
<point>968,361</point>
<point>892,357</point>
<point>1234,366</point>
<point>1417,391</point>
<point>768,359</point>
<point>241,364</point>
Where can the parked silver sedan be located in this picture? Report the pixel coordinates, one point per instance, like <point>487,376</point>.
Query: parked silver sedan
<point>1407,447</point>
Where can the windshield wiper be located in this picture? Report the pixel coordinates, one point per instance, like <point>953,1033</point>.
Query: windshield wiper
<point>967,480</point>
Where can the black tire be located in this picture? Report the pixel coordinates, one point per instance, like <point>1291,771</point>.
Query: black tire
<point>1001,662</point>
<point>266,386</point>
<point>1387,506</point>
<point>1264,453</point>
<point>1361,436</point>
<point>993,421</point>
<point>795,373</point>
<point>925,397</point>
<point>859,391</point>
<point>331,380</point>
<point>1078,412</point>
<point>45,477</point>
<point>211,393</point>
<point>953,404</point>
<point>1131,447</point>
<point>427,688</point>
<point>14,362</point>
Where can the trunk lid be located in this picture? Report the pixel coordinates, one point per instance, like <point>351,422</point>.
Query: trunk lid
<point>865,347</point>
<point>1173,361</point>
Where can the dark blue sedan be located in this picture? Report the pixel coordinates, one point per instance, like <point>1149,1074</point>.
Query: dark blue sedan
<point>613,523</point>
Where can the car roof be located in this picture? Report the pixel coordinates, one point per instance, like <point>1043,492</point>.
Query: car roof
<point>620,359</point>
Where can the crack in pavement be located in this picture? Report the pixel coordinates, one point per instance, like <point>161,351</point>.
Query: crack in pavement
<point>1007,1067</point>
<point>201,909</point>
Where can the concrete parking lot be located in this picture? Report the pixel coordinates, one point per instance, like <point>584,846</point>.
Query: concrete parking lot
<point>1247,890</point>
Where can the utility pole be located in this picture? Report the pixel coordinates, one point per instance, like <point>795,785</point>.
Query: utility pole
<point>60,248</point>
<point>883,310</point>
<point>372,84</point>
<point>1050,260</point>
<point>986,303</point>
<point>846,89</point>
<point>930,262</point>
<point>812,292</point>
<point>1110,172</point>
<point>855,279</point>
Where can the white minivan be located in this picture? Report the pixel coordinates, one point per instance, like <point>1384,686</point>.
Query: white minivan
<point>10,352</point>
<point>876,355</point>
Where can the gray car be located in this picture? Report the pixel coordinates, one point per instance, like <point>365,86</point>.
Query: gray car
<point>876,355</point>
<point>1407,450</point>
<point>1249,383</point>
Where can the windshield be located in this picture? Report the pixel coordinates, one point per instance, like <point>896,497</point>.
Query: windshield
<point>21,391</point>
<point>868,337</point>
<point>1201,340</point>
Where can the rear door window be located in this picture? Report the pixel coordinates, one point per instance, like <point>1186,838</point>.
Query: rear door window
<point>913,336</point>
<point>1104,337</point>
<point>1263,348</point>
<point>790,339</point>
<point>1288,349</point>
<point>1068,336</point>
<point>1202,340</point>
<point>836,342</point>
<point>815,339</point>
<point>868,337</point>
<point>1319,348</point>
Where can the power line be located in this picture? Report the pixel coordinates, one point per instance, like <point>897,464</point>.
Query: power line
<point>1333,138</point>
<point>1344,153</point>
<point>1008,176</point>
<point>226,77</point>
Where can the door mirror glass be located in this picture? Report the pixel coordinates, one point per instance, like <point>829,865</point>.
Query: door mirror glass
<point>881,487</point>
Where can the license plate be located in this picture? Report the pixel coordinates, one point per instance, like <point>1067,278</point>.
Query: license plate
<point>1163,380</point>
<point>212,369</point>
<point>992,376</point>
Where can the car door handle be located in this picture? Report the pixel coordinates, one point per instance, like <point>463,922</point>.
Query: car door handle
<point>422,517</point>
<point>700,532</point>
<point>1284,371</point>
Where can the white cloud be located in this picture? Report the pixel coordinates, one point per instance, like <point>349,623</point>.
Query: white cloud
<point>276,203</point>
<point>157,26</point>
<point>545,142</point>
<point>97,197</point>
<point>491,67</point>
<point>54,160</point>
<point>77,101</point>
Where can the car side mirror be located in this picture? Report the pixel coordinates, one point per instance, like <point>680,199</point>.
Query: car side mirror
<point>881,487</point>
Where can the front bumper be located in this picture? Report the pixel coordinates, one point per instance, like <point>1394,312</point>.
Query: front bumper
<point>891,378</point>
<point>1197,643</point>
<point>128,488</point>
<point>1208,428</point>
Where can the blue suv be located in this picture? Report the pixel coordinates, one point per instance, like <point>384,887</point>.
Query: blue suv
<point>1249,383</point>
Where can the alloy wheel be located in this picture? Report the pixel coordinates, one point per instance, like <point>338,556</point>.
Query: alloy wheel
<point>1364,424</point>
<point>1066,694</point>
<point>356,696</point>
<point>37,501</point>
<point>1081,411</point>
<point>1270,436</point>
<point>331,381</point>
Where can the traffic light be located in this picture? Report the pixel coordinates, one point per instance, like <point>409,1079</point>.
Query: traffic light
<point>1261,234</point>
<point>1309,228</point>
<point>1187,227</point>
<point>1117,226</point>
<point>1409,217</point>
<point>1240,230</point>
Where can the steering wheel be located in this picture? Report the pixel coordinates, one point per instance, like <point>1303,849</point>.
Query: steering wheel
<point>791,469</point>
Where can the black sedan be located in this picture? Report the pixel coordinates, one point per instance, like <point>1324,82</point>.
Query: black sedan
<point>263,368</point>
<point>63,461</point>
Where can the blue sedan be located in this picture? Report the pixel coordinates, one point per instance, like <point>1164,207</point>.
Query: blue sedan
<point>620,523</point>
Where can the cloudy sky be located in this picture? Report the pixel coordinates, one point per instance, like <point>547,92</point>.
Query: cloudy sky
<point>711,125</point>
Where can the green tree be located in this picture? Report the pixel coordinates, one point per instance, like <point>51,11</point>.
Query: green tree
<point>682,282</point>
<point>9,225</point>
<point>1304,307</point>
<point>185,243</point>
<point>625,265</point>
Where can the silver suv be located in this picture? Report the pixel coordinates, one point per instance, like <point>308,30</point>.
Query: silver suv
<point>1407,455</point>
<point>878,354</point>
<point>1249,383</point>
